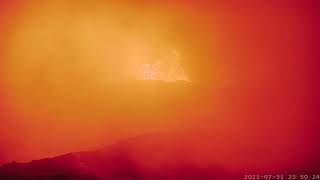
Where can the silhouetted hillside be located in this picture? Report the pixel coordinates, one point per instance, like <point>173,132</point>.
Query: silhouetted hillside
<point>146,157</point>
<point>118,162</point>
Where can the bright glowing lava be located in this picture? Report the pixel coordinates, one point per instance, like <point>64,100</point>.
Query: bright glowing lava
<point>167,70</point>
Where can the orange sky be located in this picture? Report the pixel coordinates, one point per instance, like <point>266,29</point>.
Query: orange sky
<point>68,77</point>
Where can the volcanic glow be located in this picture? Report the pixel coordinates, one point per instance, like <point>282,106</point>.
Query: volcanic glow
<point>231,77</point>
<point>172,70</point>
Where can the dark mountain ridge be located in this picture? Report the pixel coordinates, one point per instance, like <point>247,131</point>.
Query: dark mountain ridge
<point>147,157</point>
<point>140,158</point>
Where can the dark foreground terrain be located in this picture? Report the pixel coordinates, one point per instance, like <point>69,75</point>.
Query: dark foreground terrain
<point>144,157</point>
<point>147,157</point>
